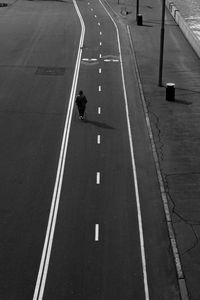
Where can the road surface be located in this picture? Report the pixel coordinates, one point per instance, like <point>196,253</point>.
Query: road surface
<point>81,213</point>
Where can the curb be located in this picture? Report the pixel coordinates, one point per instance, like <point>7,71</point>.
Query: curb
<point>188,33</point>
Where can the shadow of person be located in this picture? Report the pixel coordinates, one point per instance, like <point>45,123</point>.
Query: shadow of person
<point>98,124</point>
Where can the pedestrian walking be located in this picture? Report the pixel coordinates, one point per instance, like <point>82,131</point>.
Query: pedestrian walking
<point>81,101</point>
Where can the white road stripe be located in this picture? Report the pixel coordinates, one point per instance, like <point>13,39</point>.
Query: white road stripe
<point>99,70</point>
<point>95,16</point>
<point>98,178</point>
<point>141,235</point>
<point>99,88</point>
<point>99,24</point>
<point>100,43</point>
<point>100,55</point>
<point>98,139</point>
<point>44,263</point>
<point>96,232</point>
<point>100,33</point>
<point>99,110</point>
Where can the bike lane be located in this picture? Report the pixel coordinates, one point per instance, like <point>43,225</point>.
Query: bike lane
<point>96,251</point>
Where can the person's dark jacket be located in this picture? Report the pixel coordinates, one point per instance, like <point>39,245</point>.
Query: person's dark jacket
<point>81,101</point>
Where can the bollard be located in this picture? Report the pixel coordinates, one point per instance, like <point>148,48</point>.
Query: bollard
<point>139,20</point>
<point>170,91</point>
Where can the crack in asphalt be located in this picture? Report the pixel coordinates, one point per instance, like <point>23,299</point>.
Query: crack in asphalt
<point>189,223</point>
<point>160,149</point>
<point>159,144</point>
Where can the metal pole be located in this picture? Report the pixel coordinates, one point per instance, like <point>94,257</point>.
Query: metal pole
<point>137,9</point>
<point>162,34</point>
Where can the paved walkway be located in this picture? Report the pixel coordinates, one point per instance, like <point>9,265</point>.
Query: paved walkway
<point>175,125</point>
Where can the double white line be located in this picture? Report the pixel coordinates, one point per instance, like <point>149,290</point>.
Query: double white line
<point>44,263</point>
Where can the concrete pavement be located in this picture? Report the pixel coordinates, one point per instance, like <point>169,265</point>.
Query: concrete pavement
<point>175,125</point>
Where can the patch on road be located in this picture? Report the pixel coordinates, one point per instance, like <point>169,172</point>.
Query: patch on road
<point>52,71</point>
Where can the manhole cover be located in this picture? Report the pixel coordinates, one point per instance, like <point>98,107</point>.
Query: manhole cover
<point>52,71</point>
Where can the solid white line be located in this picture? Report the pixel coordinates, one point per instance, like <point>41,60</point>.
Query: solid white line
<point>44,263</point>
<point>142,248</point>
<point>99,70</point>
<point>99,110</point>
<point>98,178</point>
<point>96,232</point>
<point>98,139</point>
<point>99,88</point>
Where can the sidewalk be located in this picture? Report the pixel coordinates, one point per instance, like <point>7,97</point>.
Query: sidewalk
<point>175,125</point>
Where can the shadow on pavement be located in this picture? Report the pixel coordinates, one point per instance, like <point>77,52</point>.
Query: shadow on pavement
<point>179,101</point>
<point>98,124</point>
<point>145,25</point>
<point>188,90</point>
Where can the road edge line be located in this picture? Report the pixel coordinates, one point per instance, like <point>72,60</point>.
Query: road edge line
<point>142,248</point>
<point>44,263</point>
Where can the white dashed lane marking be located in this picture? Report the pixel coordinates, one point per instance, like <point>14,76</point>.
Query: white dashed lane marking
<point>99,70</point>
<point>98,178</point>
<point>99,110</point>
<point>98,139</point>
<point>99,88</point>
<point>100,33</point>
<point>96,233</point>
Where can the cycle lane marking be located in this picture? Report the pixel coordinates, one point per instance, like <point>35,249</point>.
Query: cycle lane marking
<point>96,238</point>
<point>98,178</point>
<point>98,139</point>
<point>139,215</point>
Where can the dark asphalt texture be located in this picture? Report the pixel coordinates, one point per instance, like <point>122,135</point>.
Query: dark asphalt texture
<point>33,109</point>
<point>32,113</point>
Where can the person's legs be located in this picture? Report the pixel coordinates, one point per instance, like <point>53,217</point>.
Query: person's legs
<point>81,112</point>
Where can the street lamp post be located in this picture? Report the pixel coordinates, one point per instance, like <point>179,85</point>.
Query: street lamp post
<point>137,9</point>
<point>162,34</point>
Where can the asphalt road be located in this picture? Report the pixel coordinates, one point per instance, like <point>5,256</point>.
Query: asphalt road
<point>96,246</point>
